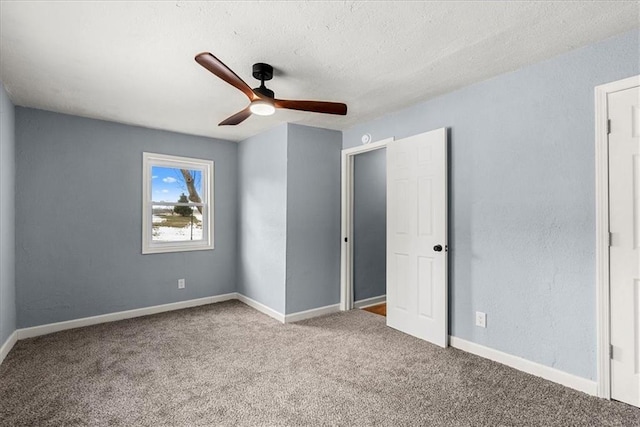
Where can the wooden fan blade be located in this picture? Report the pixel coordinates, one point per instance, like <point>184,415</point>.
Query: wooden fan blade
<point>237,118</point>
<point>313,106</point>
<point>218,68</point>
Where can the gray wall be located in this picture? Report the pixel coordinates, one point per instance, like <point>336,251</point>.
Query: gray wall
<point>262,228</point>
<point>313,218</point>
<point>370,225</point>
<point>78,218</point>
<point>289,228</point>
<point>7,211</point>
<point>522,223</point>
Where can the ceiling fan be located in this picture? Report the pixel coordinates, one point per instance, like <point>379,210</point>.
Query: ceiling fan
<point>263,101</point>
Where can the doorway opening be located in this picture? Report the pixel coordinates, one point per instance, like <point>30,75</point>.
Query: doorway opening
<point>363,264</point>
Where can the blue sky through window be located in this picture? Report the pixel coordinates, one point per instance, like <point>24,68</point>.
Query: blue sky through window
<point>168,183</point>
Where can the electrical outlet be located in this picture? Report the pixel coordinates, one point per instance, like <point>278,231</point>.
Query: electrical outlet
<point>180,283</point>
<point>481,319</point>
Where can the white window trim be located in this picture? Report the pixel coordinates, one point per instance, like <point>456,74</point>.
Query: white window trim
<point>153,159</point>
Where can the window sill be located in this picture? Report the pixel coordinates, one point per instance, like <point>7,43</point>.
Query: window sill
<point>168,248</point>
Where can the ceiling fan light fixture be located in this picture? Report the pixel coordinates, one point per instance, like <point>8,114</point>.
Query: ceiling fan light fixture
<point>262,108</point>
<point>263,100</point>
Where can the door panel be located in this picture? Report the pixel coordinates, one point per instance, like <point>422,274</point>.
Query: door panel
<point>402,291</point>
<point>624,225</point>
<point>425,207</point>
<point>425,292</point>
<point>401,196</point>
<point>416,223</point>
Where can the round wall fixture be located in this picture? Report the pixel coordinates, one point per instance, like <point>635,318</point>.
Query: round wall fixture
<point>366,138</point>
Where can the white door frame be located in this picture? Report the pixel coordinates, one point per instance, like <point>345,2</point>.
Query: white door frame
<point>602,230</point>
<point>346,227</point>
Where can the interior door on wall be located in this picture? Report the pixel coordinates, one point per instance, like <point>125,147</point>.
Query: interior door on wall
<point>417,236</point>
<point>624,225</point>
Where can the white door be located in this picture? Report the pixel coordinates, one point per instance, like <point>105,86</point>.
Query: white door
<point>417,236</point>
<point>624,225</point>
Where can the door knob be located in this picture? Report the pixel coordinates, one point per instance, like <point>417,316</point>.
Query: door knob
<point>437,248</point>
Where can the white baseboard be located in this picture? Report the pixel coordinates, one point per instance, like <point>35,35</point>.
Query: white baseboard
<point>8,345</point>
<point>261,307</point>
<point>314,312</point>
<point>548,373</point>
<point>120,315</point>
<point>368,302</point>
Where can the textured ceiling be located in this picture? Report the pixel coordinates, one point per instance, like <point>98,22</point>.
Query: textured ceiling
<point>132,62</point>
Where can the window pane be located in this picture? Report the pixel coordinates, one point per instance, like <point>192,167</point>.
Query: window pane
<point>176,223</point>
<point>174,184</point>
<point>176,196</point>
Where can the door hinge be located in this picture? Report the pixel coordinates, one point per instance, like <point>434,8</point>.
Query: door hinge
<point>610,239</point>
<point>346,239</point>
<point>610,351</point>
<point>608,126</point>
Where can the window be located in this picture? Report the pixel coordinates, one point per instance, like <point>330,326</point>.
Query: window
<point>177,208</point>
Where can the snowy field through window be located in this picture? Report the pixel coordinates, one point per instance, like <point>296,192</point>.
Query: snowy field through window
<point>169,226</point>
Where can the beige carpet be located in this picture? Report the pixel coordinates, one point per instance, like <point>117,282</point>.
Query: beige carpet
<point>226,364</point>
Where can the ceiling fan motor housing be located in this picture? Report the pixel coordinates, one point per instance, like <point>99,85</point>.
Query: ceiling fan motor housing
<point>263,72</point>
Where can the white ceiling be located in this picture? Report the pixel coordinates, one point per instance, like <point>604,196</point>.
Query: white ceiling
<point>132,62</point>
